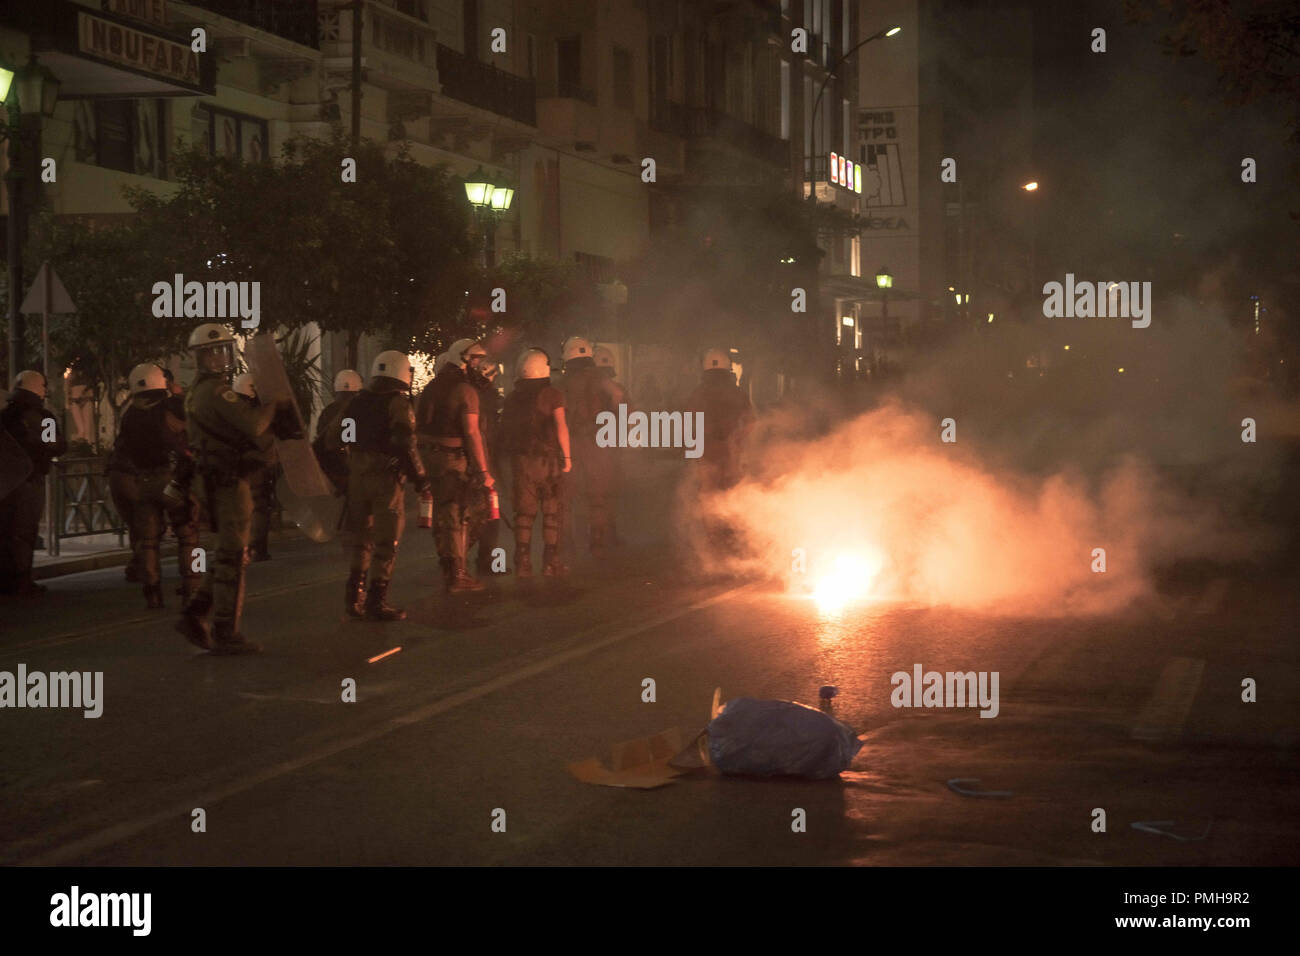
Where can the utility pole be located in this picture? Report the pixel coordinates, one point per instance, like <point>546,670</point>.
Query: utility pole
<point>353,339</point>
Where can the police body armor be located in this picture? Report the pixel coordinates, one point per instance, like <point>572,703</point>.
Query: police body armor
<point>437,414</point>
<point>139,440</point>
<point>526,428</point>
<point>219,451</point>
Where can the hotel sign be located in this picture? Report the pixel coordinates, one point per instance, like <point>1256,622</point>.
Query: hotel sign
<point>147,52</point>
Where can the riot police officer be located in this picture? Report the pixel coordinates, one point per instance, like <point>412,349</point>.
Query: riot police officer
<point>382,458</point>
<point>457,463</point>
<point>221,429</point>
<point>728,416</point>
<point>536,437</point>
<point>263,467</point>
<point>588,392</point>
<point>36,433</point>
<point>330,451</point>
<point>150,439</point>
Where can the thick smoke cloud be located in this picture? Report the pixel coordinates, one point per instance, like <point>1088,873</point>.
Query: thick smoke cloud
<point>1147,463</point>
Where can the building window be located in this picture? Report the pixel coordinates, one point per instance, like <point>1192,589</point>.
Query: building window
<point>855,256</point>
<point>530,56</point>
<point>568,65</point>
<point>598,269</point>
<point>221,133</point>
<point>661,68</point>
<point>785,100</point>
<point>126,135</point>
<point>622,78</point>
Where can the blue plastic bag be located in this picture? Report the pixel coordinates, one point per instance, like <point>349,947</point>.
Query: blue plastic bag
<point>769,738</point>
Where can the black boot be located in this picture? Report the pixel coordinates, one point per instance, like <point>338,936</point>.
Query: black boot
<point>354,594</point>
<point>523,563</point>
<point>194,621</point>
<point>377,607</point>
<point>462,581</point>
<point>153,596</point>
<point>230,643</point>
<point>448,567</point>
<point>551,566</point>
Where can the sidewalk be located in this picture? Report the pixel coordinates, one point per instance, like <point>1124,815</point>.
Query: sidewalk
<point>85,554</point>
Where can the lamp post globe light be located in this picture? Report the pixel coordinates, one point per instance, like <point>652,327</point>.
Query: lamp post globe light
<point>489,201</point>
<point>30,92</point>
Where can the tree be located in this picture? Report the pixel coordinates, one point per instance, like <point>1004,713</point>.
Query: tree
<point>108,270</point>
<point>385,255</point>
<point>1253,44</point>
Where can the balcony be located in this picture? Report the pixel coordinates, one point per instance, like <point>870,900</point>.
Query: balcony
<point>295,21</point>
<point>706,123</point>
<point>483,85</point>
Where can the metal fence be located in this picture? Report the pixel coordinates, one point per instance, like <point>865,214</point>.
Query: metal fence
<point>80,503</point>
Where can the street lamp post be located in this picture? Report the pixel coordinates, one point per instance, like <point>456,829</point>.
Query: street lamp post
<point>884,282</point>
<point>30,93</point>
<point>490,202</point>
<point>812,125</point>
<point>1032,187</point>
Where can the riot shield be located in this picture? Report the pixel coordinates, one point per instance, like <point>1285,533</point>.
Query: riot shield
<point>301,469</point>
<point>317,517</point>
<point>15,466</point>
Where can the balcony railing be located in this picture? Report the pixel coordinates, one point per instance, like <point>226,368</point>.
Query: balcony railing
<point>295,21</point>
<point>706,122</point>
<point>483,85</point>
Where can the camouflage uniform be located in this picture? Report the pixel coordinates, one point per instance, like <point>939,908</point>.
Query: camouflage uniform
<point>537,469</point>
<point>380,460</point>
<point>150,438</point>
<point>443,404</point>
<point>222,430</point>
<point>587,393</point>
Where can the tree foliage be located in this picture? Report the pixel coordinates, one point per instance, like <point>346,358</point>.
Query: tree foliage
<point>1253,44</point>
<point>385,255</point>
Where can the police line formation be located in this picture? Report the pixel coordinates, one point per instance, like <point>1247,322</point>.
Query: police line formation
<point>212,450</point>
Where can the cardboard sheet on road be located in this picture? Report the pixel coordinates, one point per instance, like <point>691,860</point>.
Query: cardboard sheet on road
<point>641,764</point>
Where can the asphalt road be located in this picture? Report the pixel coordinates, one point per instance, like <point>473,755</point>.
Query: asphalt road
<point>491,697</point>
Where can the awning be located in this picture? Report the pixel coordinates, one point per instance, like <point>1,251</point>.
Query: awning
<point>100,54</point>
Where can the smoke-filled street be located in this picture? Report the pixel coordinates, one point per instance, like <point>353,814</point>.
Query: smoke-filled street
<point>492,696</point>
<point>545,436</point>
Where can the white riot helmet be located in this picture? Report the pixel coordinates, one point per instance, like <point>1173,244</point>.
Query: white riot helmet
<point>576,347</point>
<point>392,364</point>
<point>347,381</point>
<point>456,353</point>
<point>716,358</point>
<point>604,357</point>
<point>245,385</point>
<point>441,362</point>
<point>146,377</point>
<point>534,364</point>
<point>31,381</point>
<point>217,338</point>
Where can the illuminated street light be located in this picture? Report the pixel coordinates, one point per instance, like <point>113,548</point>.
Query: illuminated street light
<point>477,189</point>
<point>883,279</point>
<point>1029,187</point>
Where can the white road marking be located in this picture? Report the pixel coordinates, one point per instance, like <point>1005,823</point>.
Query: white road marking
<point>122,831</point>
